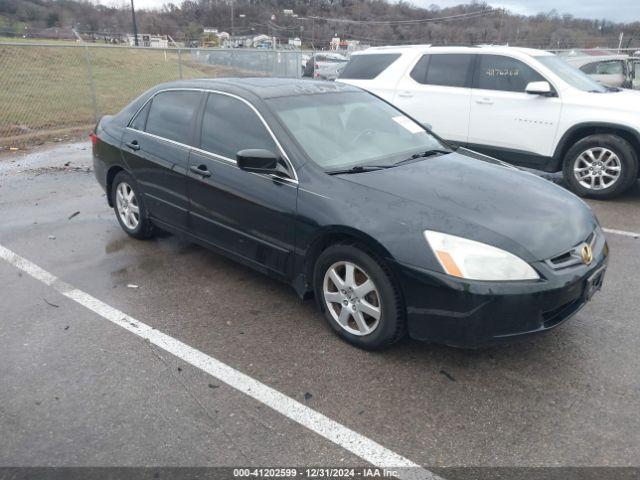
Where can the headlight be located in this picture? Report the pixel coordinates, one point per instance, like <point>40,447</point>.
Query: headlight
<point>472,260</point>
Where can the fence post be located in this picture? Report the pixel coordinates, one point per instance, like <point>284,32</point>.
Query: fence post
<point>92,84</point>
<point>180,62</point>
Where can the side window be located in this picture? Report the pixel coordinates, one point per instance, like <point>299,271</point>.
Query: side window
<point>419,72</point>
<point>230,125</point>
<point>589,68</point>
<point>614,67</point>
<point>496,72</point>
<point>140,119</point>
<point>366,67</point>
<point>450,70</point>
<point>171,113</point>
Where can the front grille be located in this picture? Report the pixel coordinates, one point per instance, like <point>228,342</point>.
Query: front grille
<point>572,257</point>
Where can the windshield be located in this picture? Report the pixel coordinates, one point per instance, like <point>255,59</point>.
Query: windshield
<point>571,74</point>
<point>349,129</point>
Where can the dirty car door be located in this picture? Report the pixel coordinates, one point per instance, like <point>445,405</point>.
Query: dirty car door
<point>247,214</point>
<point>156,150</point>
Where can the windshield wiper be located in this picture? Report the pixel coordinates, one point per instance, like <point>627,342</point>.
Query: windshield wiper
<point>359,169</point>
<point>425,154</point>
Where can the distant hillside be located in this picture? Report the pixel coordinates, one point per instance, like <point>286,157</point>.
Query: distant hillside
<point>317,21</point>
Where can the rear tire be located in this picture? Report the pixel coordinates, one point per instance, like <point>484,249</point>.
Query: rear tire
<point>129,207</point>
<point>600,166</point>
<point>363,307</point>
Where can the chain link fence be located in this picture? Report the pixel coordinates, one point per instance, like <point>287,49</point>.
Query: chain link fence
<point>56,91</point>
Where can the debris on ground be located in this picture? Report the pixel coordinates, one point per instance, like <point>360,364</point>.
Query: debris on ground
<point>74,214</point>
<point>307,396</point>
<point>448,375</point>
<point>51,304</point>
<point>52,237</point>
<point>211,385</point>
<point>132,285</point>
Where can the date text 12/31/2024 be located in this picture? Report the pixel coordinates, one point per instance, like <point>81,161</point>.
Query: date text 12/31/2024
<point>315,472</point>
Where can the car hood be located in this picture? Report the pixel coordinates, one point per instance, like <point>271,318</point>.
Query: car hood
<point>623,100</point>
<point>485,201</point>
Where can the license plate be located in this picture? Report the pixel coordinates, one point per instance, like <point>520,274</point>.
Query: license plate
<point>593,284</point>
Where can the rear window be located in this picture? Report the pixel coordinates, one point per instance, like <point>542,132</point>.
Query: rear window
<point>171,114</point>
<point>449,70</point>
<point>366,67</point>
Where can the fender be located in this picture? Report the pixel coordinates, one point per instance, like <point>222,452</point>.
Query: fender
<point>593,127</point>
<point>322,238</point>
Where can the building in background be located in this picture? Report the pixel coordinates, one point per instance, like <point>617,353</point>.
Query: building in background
<point>148,40</point>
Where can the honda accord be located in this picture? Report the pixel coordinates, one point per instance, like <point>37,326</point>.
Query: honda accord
<point>348,199</point>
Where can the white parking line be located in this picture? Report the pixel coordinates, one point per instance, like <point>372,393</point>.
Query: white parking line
<point>622,232</point>
<point>333,431</point>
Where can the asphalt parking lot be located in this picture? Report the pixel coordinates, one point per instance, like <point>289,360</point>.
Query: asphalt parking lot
<point>77,389</point>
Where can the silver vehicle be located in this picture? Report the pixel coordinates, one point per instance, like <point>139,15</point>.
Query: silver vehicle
<point>325,65</point>
<point>609,70</point>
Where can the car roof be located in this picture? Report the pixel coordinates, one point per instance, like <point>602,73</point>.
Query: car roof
<point>262,87</point>
<point>580,60</point>
<point>460,49</point>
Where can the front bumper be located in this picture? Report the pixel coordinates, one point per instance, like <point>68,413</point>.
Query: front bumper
<point>471,314</point>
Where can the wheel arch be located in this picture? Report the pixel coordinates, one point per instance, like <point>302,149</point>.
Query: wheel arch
<point>111,174</point>
<point>583,130</point>
<point>333,235</point>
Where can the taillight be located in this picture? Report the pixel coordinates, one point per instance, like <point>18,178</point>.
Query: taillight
<point>316,66</point>
<point>94,138</point>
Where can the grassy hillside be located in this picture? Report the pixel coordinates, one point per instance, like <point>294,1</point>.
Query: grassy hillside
<point>49,88</point>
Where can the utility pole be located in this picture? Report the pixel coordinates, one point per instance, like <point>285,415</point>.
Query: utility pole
<point>135,25</point>
<point>232,19</point>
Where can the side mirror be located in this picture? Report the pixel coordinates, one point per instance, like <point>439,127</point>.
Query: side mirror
<point>427,126</point>
<point>539,88</point>
<point>259,161</point>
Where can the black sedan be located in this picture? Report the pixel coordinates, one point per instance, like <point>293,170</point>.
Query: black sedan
<point>345,197</point>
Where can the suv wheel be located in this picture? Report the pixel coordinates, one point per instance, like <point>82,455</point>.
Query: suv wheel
<point>600,166</point>
<point>358,297</point>
<point>129,208</point>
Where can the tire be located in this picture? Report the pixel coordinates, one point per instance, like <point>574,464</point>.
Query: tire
<point>137,225</point>
<point>603,152</point>
<point>377,333</point>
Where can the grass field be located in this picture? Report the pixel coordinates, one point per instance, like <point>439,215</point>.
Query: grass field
<point>45,89</point>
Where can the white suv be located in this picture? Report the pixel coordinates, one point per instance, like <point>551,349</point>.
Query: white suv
<point>527,107</point>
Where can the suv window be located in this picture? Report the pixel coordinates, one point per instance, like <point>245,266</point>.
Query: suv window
<point>450,70</point>
<point>612,67</point>
<point>171,113</point>
<point>495,72</point>
<point>366,67</point>
<point>230,125</point>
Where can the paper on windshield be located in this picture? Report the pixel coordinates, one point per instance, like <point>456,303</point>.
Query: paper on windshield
<point>409,124</point>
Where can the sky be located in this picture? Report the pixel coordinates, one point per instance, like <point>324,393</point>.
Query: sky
<point>614,10</point>
<point>625,11</point>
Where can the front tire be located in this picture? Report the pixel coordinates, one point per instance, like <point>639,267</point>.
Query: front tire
<point>600,166</point>
<point>358,297</point>
<point>129,207</point>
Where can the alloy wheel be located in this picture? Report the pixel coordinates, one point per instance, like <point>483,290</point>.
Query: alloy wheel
<point>352,298</point>
<point>127,205</point>
<point>597,168</point>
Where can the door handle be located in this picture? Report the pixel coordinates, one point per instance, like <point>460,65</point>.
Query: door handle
<point>484,101</point>
<point>405,94</point>
<point>133,145</point>
<point>201,170</point>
